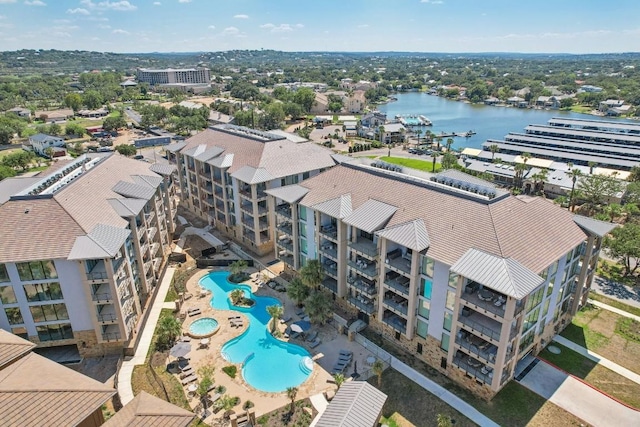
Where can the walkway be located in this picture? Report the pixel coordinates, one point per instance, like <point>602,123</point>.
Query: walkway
<point>622,293</point>
<point>614,310</point>
<point>578,398</point>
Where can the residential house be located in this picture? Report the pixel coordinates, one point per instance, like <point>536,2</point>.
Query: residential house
<point>373,120</point>
<point>321,104</point>
<point>93,114</point>
<point>82,251</point>
<point>516,101</point>
<point>25,113</point>
<point>492,100</point>
<point>54,116</point>
<point>355,102</point>
<point>614,107</point>
<point>459,292</point>
<point>393,133</point>
<point>40,142</point>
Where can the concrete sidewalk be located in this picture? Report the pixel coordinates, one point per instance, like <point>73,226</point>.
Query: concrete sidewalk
<point>614,310</point>
<point>598,359</point>
<point>126,370</point>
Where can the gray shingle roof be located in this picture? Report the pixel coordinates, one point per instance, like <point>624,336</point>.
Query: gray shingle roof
<point>594,226</point>
<point>164,169</point>
<point>371,215</point>
<point>339,207</point>
<point>290,193</point>
<point>134,191</point>
<point>504,275</point>
<point>102,242</point>
<point>356,404</point>
<point>251,175</point>
<point>412,235</point>
<point>148,410</point>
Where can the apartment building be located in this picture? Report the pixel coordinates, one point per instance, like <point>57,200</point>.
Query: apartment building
<point>173,76</point>
<point>453,270</point>
<point>224,171</point>
<point>81,251</point>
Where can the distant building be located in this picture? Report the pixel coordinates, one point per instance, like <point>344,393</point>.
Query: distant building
<point>40,142</point>
<point>171,76</point>
<point>590,88</point>
<point>20,112</point>
<point>54,116</point>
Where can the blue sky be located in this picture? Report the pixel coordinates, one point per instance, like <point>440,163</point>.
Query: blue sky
<point>573,26</point>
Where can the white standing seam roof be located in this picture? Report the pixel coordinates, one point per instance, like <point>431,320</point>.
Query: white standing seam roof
<point>164,169</point>
<point>103,241</point>
<point>134,191</point>
<point>371,215</point>
<point>594,226</point>
<point>356,404</point>
<point>290,193</point>
<point>252,175</point>
<point>209,154</point>
<point>412,235</point>
<point>339,207</point>
<point>175,147</point>
<point>153,181</point>
<point>195,151</point>
<point>505,275</point>
<point>222,161</point>
<point>127,207</point>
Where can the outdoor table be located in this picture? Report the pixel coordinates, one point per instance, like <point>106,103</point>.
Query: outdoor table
<point>192,388</point>
<point>371,360</point>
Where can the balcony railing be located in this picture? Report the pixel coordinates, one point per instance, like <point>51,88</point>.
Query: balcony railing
<point>284,210</point>
<point>330,249</point>
<point>97,276</point>
<point>329,232</point>
<point>395,306</point>
<point>477,372</point>
<point>365,247</point>
<point>286,228</point>
<point>478,347</point>
<point>287,259</point>
<point>363,304</point>
<point>399,284</point>
<point>111,336</point>
<point>245,192</point>
<point>485,300</point>
<point>367,269</point>
<point>330,284</point>
<point>107,318</point>
<point>400,264</point>
<point>101,297</point>
<point>481,325</point>
<point>395,321</point>
<point>363,287</point>
<point>286,244</point>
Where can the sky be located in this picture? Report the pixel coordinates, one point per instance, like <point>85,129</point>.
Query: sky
<point>533,26</point>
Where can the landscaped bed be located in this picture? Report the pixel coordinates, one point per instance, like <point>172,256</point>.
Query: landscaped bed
<point>282,417</point>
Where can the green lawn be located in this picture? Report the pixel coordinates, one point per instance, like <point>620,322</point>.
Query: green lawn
<point>422,165</point>
<point>615,303</point>
<point>581,108</point>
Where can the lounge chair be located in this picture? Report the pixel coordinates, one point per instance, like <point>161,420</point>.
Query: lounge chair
<point>194,312</point>
<point>338,368</point>
<point>186,380</point>
<point>234,317</point>
<point>300,312</point>
<point>346,353</point>
<point>186,373</point>
<point>285,319</point>
<point>315,343</point>
<point>294,334</point>
<point>312,336</point>
<point>185,338</point>
<point>344,359</point>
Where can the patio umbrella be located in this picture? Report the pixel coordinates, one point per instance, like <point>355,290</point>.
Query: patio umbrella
<point>296,328</point>
<point>303,324</point>
<point>181,349</point>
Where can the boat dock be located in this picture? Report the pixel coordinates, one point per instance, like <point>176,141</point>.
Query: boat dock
<point>411,120</point>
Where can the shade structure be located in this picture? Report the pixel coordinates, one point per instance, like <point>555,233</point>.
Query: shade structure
<point>302,324</point>
<point>296,328</point>
<point>181,349</point>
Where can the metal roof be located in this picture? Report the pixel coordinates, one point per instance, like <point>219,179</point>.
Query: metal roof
<point>209,153</point>
<point>222,161</point>
<point>11,186</point>
<point>151,181</point>
<point>134,191</point>
<point>600,124</point>
<point>505,275</point>
<point>594,226</point>
<point>610,136</point>
<point>412,235</point>
<point>252,175</point>
<point>339,207</point>
<point>371,215</point>
<point>356,404</point>
<point>103,241</point>
<point>290,193</point>
<point>127,208</point>
<point>177,146</point>
<point>164,169</point>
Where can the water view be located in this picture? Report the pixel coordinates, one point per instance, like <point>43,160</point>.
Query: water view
<point>488,122</point>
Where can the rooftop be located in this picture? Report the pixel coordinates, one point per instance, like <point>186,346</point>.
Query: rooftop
<point>356,404</point>
<point>148,410</point>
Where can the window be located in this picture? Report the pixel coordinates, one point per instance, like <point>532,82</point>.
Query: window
<point>305,175</point>
<point>425,288</point>
<point>451,299</point>
<point>43,292</point>
<point>421,328</point>
<point>49,312</point>
<point>303,245</point>
<point>444,344</point>
<point>302,229</point>
<point>427,266</point>
<point>448,318</point>
<point>61,331</point>
<point>20,331</point>
<point>424,307</point>
<point>4,276</point>
<point>531,319</point>
<point>36,270</point>
<point>302,213</point>
<point>453,280</point>
<point>7,296</point>
<point>419,348</point>
<point>14,315</point>
<point>534,300</point>
<point>527,340</point>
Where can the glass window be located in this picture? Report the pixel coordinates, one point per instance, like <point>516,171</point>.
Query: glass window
<point>425,288</point>
<point>451,300</point>
<point>453,280</point>
<point>553,268</point>
<point>4,276</point>
<point>302,213</point>
<point>421,328</point>
<point>527,340</point>
<point>14,315</point>
<point>424,307</point>
<point>531,319</point>
<point>49,312</point>
<point>36,270</point>
<point>20,331</point>
<point>534,300</point>
<point>302,229</point>
<point>305,175</point>
<point>448,319</point>
<point>43,292</point>
<point>7,296</point>
<point>303,245</point>
<point>54,332</point>
<point>444,344</point>
<point>427,266</point>
<point>545,310</point>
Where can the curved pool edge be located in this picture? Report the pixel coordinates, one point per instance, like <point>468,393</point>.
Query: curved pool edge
<point>201,336</point>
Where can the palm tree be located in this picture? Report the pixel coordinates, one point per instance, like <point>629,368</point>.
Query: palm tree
<point>292,392</point>
<point>312,274</point>
<point>444,421</point>
<point>591,166</point>
<point>237,269</point>
<point>448,144</point>
<point>275,311</point>
<point>418,133</point>
<point>438,141</point>
<point>318,307</point>
<point>614,210</point>
<point>519,169</point>
<point>169,329</point>
<point>206,381</point>
<point>561,200</point>
<point>381,131</point>
<point>525,157</point>
<point>434,155</point>
<point>237,295</point>
<point>574,174</point>
<point>378,368</point>
<point>494,149</point>
<point>297,291</point>
<point>226,403</point>
<point>339,379</point>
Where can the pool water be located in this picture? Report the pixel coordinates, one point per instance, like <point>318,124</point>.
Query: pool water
<point>203,327</point>
<point>268,364</point>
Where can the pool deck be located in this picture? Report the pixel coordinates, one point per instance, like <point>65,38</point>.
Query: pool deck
<point>325,355</point>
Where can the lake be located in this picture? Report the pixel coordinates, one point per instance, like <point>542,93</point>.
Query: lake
<point>489,122</point>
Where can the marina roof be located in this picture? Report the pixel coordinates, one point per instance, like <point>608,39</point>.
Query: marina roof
<point>605,147</point>
<point>610,136</point>
<point>600,124</point>
<point>356,404</point>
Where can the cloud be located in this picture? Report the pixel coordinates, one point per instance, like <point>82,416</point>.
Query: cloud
<point>363,26</point>
<point>211,27</point>
<point>299,26</point>
<point>122,6</point>
<point>156,3</point>
<point>230,31</point>
<point>35,3</point>
<point>78,11</point>
<point>184,1</point>
<point>241,16</point>
<point>120,31</point>
<point>7,1</point>
<point>282,28</point>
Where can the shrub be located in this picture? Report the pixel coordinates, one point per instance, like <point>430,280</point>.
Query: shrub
<point>248,405</point>
<point>230,370</point>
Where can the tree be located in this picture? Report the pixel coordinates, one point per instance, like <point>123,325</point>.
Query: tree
<point>634,174</point>
<point>273,116</point>
<point>297,291</point>
<point>381,131</point>
<point>592,165</point>
<point>74,129</point>
<point>525,157</point>
<point>519,169</point>
<point>312,274</point>
<point>6,172</point>
<point>434,156</point>
<point>624,244</point>
<point>378,368</point>
<point>561,201</point>
<point>292,393</point>
<point>237,269</point>
<point>73,101</point>
<point>237,295</point>
<point>632,193</point>
<point>92,99</point>
<point>318,307</point>
<point>448,161</point>
<point>275,311</point>
<point>613,211</point>
<point>339,379</point>
<point>114,123</point>
<point>305,97</point>
<point>574,174</point>
<point>448,144</point>
<point>444,421</point>
<point>494,148</point>
<point>49,152</point>
<point>169,329</point>
<point>594,189</point>
<point>206,381</point>
<point>566,103</point>
<point>55,129</point>
<point>127,149</point>
<point>226,403</point>
<point>293,110</point>
<point>18,159</point>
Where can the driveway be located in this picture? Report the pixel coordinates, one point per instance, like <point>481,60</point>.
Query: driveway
<point>578,398</point>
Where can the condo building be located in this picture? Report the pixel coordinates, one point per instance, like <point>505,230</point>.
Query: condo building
<point>174,76</point>
<point>458,273</point>
<point>225,171</point>
<point>82,249</point>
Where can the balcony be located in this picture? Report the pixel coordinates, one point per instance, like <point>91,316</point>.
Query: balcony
<point>101,293</point>
<point>400,264</point>
<point>206,200</point>
<point>365,247</point>
<point>247,207</point>
<point>477,346</point>
<point>364,267</point>
<point>107,314</point>
<point>286,243</point>
<point>287,259</point>
<point>245,192</point>
<point>394,321</point>
<point>481,325</point>
<point>364,304</point>
<point>111,335</point>
<point>363,286</point>
<point>260,194</point>
<point>397,304</point>
<point>331,284</point>
<point>263,224</point>
<point>286,228</point>
<point>284,210</point>
<point>398,283</point>
<point>152,232</point>
<point>147,267</point>
<point>484,301</point>
<point>329,232</point>
<point>473,367</point>
<point>148,216</point>
<point>154,249</point>
<point>144,248</point>
<point>141,229</point>
<point>329,249</point>
<point>331,267</point>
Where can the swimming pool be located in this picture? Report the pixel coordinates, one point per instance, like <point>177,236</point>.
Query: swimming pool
<point>203,328</point>
<point>268,363</point>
